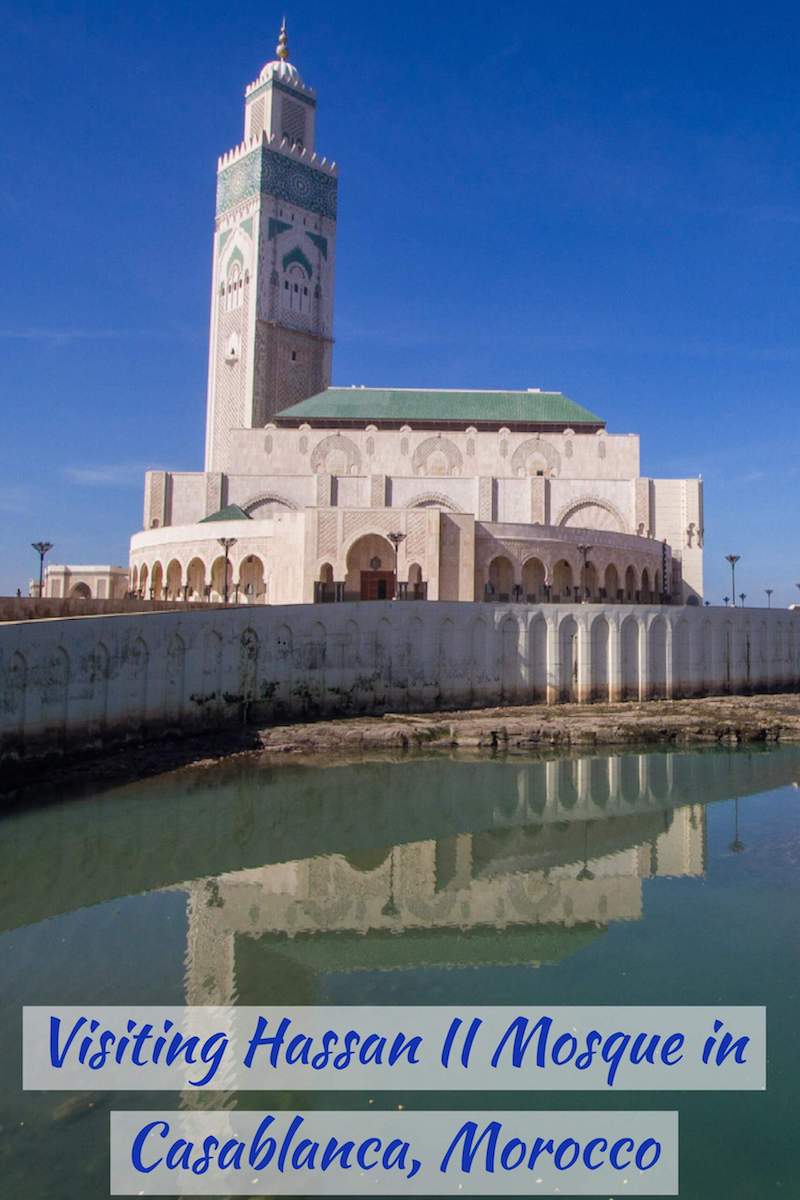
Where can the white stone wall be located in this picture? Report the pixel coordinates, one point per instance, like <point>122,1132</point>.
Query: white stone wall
<point>76,682</point>
<point>467,453</point>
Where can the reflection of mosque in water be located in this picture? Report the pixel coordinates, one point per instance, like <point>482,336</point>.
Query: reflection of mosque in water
<point>563,854</point>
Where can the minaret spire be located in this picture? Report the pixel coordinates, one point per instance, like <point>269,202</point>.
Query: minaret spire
<point>282,48</point>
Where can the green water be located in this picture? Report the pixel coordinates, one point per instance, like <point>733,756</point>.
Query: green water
<point>660,878</point>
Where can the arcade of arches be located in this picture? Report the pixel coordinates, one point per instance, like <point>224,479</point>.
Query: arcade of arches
<point>420,553</point>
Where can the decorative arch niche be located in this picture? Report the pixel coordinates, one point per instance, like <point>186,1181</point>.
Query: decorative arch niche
<point>437,456</point>
<point>434,500</point>
<point>592,513</point>
<point>533,456</point>
<point>336,455</point>
<point>267,502</point>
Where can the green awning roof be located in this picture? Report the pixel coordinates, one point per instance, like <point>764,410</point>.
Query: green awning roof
<point>359,404</point>
<point>231,512</point>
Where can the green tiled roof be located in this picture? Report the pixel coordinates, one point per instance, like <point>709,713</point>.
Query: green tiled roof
<point>231,512</point>
<point>409,404</point>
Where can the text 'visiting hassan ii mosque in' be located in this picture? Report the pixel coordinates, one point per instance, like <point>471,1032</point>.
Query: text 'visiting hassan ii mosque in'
<point>319,493</point>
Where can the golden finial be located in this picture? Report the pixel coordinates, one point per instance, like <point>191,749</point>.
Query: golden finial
<point>282,48</point>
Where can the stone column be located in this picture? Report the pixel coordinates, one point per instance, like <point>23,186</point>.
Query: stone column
<point>615,658</point>
<point>553,661</point>
<point>644,659</point>
<point>584,653</point>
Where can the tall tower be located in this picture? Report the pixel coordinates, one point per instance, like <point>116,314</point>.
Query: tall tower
<point>271,334</point>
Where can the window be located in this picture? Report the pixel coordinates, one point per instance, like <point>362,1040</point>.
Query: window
<point>294,356</point>
<point>296,284</point>
<point>233,297</point>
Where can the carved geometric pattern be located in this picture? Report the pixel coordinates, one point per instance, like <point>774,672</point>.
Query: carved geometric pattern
<point>324,497</point>
<point>326,534</point>
<point>485,497</point>
<point>643,505</point>
<point>157,494</point>
<point>535,448</point>
<point>356,522</point>
<point>538,507</point>
<point>276,174</point>
<point>213,494</point>
<point>377,491</point>
<point>256,123</point>
<point>415,528</point>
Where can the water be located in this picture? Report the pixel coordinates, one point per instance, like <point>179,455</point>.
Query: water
<point>658,878</point>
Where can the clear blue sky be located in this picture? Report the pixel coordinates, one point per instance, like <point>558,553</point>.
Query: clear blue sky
<point>598,198</point>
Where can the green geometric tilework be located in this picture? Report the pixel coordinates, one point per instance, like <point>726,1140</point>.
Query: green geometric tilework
<point>275,174</point>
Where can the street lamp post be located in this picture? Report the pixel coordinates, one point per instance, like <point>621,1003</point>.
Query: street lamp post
<point>769,592</point>
<point>733,559</point>
<point>584,550</point>
<point>41,549</point>
<point>226,544</point>
<point>396,539</point>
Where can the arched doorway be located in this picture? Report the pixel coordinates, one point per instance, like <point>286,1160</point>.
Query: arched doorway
<point>563,582</point>
<point>591,582</point>
<point>80,591</point>
<point>218,581</point>
<point>630,585</point>
<point>251,580</point>
<point>611,583</point>
<point>157,582</point>
<point>196,579</point>
<point>533,577</point>
<point>370,569</point>
<point>174,576</point>
<point>416,588</point>
<point>501,578</point>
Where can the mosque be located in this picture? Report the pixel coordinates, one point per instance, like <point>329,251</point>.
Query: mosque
<point>313,493</point>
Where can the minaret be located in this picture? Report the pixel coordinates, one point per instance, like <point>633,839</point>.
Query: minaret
<point>274,255</point>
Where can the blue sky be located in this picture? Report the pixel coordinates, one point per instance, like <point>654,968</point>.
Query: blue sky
<point>599,199</point>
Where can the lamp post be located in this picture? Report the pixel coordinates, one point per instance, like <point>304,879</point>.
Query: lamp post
<point>769,592</point>
<point>226,544</point>
<point>41,549</point>
<point>396,539</point>
<point>584,550</point>
<point>733,559</point>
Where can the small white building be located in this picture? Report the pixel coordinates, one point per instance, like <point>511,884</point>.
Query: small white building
<point>312,492</point>
<point>83,583</point>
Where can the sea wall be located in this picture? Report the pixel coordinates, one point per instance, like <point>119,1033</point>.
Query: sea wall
<point>78,683</point>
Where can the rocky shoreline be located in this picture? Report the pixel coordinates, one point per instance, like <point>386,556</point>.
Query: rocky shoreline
<point>727,720</point>
<point>714,720</point>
